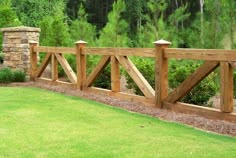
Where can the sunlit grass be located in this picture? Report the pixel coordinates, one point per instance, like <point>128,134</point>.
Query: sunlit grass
<point>38,123</point>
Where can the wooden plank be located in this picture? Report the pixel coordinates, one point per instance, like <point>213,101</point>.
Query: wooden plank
<point>203,71</point>
<point>43,65</point>
<point>138,78</point>
<point>161,75</point>
<point>200,111</point>
<point>58,50</point>
<point>201,54</point>
<point>66,67</point>
<point>55,83</point>
<point>226,87</point>
<point>121,95</point>
<point>144,52</point>
<point>54,67</point>
<point>81,65</point>
<point>33,61</point>
<point>97,70</point>
<point>115,75</point>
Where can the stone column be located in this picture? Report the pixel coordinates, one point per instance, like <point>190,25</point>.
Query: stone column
<point>16,47</point>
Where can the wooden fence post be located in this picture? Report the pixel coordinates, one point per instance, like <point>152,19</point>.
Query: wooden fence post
<point>54,67</point>
<point>115,75</point>
<point>226,87</point>
<point>161,73</point>
<point>33,60</point>
<point>80,64</point>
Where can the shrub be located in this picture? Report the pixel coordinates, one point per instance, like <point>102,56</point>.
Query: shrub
<point>179,70</point>
<point>18,76</point>
<point>6,75</point>
<point>1,57</point>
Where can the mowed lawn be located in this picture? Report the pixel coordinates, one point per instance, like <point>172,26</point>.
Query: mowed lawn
<point>38,123</point>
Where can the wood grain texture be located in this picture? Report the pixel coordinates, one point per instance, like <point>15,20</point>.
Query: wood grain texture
<point>43,65</point>
<point>200,111</point>
<point>201,54</point>
<point>54,67</point>
<point>121,95</point>
<point>115,74</point>
<point>58,50</point>
<point>81,65</point>
<point>138,78</point>
<point>97,70</point>
<point>33,61</point>
<point>66,67</point>
<point>203,71</point>
<point>226,87</point>
<point>161,76</point>
<point>144,52</point>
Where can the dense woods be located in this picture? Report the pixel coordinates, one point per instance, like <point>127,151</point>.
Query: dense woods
<point>129,23</point>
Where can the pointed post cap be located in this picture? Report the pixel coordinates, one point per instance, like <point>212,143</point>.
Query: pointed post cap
<point>80,42</point>
<point>162,42</point>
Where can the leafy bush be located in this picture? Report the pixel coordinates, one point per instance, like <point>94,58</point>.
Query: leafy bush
<point>179,70</point>
<point>6,75</point>
<point>104,79</point>
<point>18,76</point>
<point>146,67</point>
<point>1,57</point>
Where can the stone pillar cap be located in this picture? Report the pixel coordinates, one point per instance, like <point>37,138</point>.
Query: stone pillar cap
<point>20,29</point>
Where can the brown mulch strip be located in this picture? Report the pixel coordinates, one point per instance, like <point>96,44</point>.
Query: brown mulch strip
<point>215,126</point>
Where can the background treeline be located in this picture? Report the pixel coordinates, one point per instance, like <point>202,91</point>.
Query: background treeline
<point>132,23</point>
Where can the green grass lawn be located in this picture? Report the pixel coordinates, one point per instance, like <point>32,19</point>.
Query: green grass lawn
<point>38,123</point>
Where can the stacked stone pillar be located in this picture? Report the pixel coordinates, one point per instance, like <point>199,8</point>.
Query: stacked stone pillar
<point>16,47</point>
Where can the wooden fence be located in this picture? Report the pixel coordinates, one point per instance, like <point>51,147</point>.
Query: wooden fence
<point>159,96</point>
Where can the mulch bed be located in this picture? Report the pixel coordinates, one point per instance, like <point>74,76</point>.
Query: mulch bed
<point>215,126</point>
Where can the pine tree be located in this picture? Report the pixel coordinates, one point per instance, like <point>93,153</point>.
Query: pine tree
<point>55,30</point>
<point>80,29</point>
<point>114,34</point>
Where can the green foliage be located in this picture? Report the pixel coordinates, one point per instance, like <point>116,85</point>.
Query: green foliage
<point>8,17</point>
<point>179,70</point>
<point>159,26</point>
<point>6,75</point>
<point>114,34</point>
<point>80,29</point>
<point>1,57</point>
<point>55,30</point>
<point>18,76</point>
<point>146,67</point>
<point>31,12</point>
<point>56,125</point>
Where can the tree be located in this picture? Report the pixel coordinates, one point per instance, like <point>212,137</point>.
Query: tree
<point>55,30</point>
<point>161,26</point>
<point>80,29</point>
<point>8,17</point>
<point>114,34</point>
<point>31,12</point>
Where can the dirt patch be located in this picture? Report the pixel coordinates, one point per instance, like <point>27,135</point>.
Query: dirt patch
<point>216,126</point>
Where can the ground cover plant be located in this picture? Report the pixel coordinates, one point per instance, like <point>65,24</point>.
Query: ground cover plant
<point>7,75</point>
<point>38,123</point>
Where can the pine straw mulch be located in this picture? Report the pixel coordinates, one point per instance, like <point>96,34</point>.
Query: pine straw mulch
<point>215,126</point>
